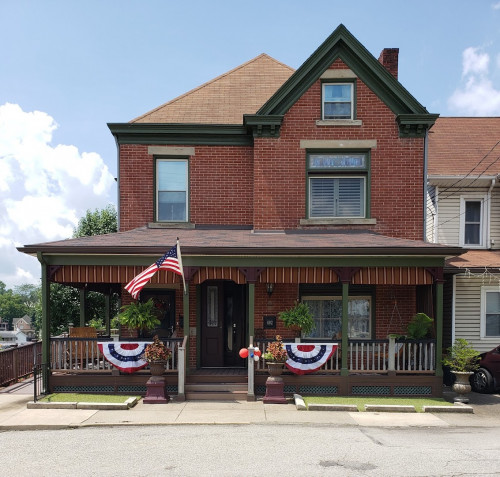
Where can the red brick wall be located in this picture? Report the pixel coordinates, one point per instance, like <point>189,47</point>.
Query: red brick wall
<point>391,318</point>
<point>220,186</point>
<point>396,166</point>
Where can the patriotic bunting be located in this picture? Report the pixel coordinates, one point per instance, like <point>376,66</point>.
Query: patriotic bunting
<point>307,358</point>
<point>127,357</point>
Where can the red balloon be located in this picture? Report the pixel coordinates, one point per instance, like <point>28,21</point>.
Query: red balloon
<point>258,352</point>
<point>244,353</point>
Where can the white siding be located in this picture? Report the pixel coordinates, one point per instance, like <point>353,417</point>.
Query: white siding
<point>468,310</point>
<point>495,218</point>
<point>430,214</point>
<point>449,212</point>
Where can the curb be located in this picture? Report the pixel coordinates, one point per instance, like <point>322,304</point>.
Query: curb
<point>98,406</point>
<point>388,408</point>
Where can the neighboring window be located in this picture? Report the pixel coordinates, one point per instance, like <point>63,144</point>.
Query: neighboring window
<point>490,316</point>
<point>472,227</point>
<point>327,313</point>
<point>337,185</point>
<point>172,190</point>
<point>338,101</point>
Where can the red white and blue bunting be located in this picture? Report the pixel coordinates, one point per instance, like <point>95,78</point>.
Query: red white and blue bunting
<point>126,356</point>
<point>308,358</point>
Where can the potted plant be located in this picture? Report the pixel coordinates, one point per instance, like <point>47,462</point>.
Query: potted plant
<point>275,356</point>
<point>419,326</point>
<point>298,318</point>
<point>463,360</point>
<point>139,316</point>
<point>157,354</point>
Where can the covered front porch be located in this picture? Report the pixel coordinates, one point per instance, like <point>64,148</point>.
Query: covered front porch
<point>237,283</point>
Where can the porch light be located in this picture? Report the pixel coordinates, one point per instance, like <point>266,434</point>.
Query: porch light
<point>270,288</point>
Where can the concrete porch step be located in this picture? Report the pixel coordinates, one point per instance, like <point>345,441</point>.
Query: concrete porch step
<point>216,391</point>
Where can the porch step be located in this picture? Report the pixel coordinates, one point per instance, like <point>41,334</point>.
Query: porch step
<point>216,391</point>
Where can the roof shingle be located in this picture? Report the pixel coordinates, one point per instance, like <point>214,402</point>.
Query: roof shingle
<point>225,99</point>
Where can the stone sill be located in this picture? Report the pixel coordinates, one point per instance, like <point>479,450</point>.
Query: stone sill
<point>170,225</point>
<point>339,122</point>
<point>338,221</point>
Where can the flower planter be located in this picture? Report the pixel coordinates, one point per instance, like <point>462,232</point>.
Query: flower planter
<point>462,386</point>
<point>275,368</point>
<point>157,368</point>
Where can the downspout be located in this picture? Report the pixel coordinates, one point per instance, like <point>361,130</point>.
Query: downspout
<point>425,184</point>
<point>488,215</point>
<point>117,179</point>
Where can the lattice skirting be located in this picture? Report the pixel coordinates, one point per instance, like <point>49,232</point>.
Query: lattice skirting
<point>371,390</point>
<point>412,390</point>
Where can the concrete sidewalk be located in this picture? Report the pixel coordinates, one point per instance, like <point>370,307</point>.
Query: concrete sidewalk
<point>14,414</point>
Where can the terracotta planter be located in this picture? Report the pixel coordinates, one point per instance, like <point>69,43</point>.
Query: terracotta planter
<point>157,368</point>
<point>275,368</point>
<point>462,386</point>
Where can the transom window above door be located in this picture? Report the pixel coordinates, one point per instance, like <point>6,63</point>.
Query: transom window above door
<point>172,190</point>
<point>337,185</point>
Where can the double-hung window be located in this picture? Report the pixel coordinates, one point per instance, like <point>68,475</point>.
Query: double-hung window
<point>490,312</point>
<point>472,222</point>
<point>171,190</point>
<point>327,314</point>
<point>337,185</point>
<point>338,101</point>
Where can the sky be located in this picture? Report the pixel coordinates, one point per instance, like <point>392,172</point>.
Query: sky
<point>68,68</point>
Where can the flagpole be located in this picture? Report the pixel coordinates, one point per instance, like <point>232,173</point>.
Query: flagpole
<point>180,264</point>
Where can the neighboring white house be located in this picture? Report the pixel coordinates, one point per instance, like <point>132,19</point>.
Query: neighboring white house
<point>463,208</point>
<point>12,337</point>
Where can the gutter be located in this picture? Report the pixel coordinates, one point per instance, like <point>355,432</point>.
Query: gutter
<point>488,215</point>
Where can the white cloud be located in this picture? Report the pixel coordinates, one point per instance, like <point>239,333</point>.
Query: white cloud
<point>478,95</point>
<point>44,189</point>
<point>496,6</point>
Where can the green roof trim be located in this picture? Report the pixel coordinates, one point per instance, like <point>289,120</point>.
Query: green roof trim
<point>185,134</point>
<point>342,44</point>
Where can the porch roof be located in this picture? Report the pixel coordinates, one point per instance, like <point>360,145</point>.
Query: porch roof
<point>474,260</point>
<point>231,241</point>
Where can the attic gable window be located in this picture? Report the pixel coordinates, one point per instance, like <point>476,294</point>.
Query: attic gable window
<point>338,101</point>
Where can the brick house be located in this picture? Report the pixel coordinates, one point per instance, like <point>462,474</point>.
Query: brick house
<point>281,185</point>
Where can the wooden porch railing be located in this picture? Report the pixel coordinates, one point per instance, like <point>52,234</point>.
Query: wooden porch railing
<point>82,355</point>
<point>17,363</point>
<point>375,356</point>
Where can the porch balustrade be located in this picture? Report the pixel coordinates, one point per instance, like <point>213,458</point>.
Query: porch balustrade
<point>374,356</point>
<point>82,355</point>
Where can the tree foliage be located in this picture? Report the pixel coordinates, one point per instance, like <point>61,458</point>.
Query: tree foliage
<point>99,222</point>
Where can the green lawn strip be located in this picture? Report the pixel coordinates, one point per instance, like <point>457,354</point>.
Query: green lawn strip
<point>418,403</point>
<point>76,397</point>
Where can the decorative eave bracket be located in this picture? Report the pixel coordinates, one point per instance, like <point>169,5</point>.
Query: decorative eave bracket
<point>415,125</point>
<point>263,125</point>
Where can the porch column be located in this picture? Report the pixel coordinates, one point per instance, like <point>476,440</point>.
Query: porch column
<point>344,370</point>
<point>345,275</point>
<point>185,322</point>
<point>45,322</point>
<point>83,306</point>
<point>439,327</point>
<point>251,309</point>
<point>107,312</point>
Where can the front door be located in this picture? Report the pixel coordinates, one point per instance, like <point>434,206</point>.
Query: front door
<point>223,323</point>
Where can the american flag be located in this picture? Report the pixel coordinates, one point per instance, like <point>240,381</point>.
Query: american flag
<point>170,261</point>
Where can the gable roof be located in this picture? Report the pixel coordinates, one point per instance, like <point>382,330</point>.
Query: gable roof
<point>342,44</point>
<point>225,99</point>
<point>464,146</point>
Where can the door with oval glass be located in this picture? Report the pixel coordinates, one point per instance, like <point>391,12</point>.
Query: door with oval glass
<point>223,323</point>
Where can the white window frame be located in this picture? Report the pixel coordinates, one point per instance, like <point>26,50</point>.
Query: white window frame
<point>323,101</point>
<point>157,188</point>
<point>482,228</point>
<point>484,291</point>
<point>339,298</point>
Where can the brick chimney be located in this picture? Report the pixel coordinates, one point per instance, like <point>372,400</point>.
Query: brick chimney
<point>389,58</point>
